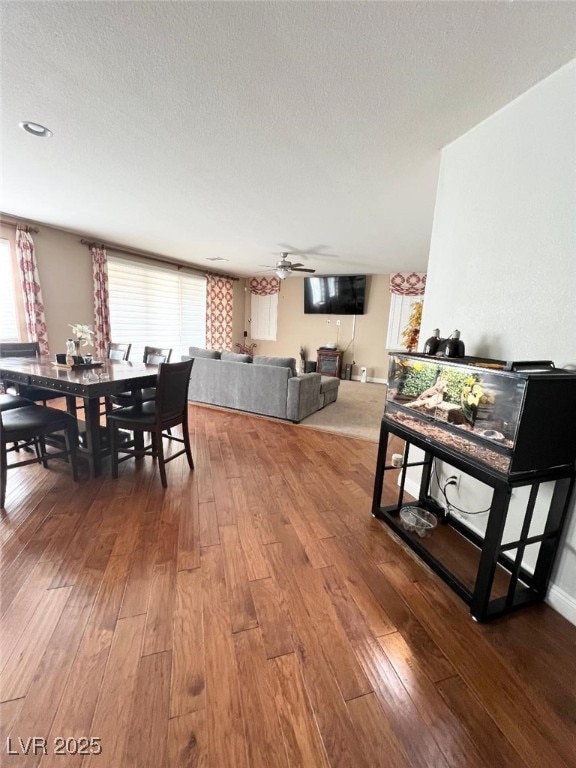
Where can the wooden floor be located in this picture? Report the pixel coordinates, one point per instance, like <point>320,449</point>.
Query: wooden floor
<point>255,614</point>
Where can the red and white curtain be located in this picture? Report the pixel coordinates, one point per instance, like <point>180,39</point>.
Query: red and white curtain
<point>264,286</point>
<point>219,304</point>
<point>102,333</point>
<point>408,283</point>
<point>30,279</point>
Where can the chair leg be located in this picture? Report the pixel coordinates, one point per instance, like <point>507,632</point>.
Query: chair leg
<point>37,450</point>
<point>3,473</point>
<point>187,446</point>
<point>43,454</point>
<point>161,461</point>
<point>71,438</point>
<point>114,450</point>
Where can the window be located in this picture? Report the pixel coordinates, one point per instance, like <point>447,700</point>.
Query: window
<point>8,306</point>
<point>400,308</point>
<point>264,316</point>
<point>158,305</point>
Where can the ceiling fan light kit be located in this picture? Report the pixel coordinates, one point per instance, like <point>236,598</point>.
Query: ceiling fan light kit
<point>284,268</point>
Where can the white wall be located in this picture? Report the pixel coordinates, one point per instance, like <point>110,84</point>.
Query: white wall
<point>502,263</point>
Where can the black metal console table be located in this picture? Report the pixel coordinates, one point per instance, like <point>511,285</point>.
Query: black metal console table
<point>524,588</point>
<point>506,425</point>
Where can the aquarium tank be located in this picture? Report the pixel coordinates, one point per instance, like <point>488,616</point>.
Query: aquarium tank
<point>481,409</point>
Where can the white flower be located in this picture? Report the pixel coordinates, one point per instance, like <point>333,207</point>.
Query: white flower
<point>84,333</point>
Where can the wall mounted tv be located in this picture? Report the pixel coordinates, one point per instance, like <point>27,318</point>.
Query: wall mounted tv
<point>335,295</point>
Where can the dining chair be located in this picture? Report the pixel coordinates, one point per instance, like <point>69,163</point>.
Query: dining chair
<point>151,356</point>
<point>32,424</point>
<point>115,351</point>
<point>8,403</point>
<point>118,351</point>
<point>168,409</point>
<point>26,349</point>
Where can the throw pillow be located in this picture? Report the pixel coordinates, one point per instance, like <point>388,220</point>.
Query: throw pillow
<point>212,354</point>
<point>281,362</point>
<point>235,357</point>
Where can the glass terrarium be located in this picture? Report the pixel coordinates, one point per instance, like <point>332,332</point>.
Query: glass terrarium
<point>511,420</point>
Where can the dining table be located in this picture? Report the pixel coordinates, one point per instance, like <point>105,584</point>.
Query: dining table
<point>89,382</point>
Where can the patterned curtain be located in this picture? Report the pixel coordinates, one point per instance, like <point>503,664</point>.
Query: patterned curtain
<point>264,286</point>
<point>219,303</point>
<point>30,279</point>
<point>408,283</point>
<point>102,333</point>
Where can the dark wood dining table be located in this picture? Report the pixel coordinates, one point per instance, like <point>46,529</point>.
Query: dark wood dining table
<point>90,384</point>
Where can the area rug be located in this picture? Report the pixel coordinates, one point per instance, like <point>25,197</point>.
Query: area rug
<point>357,411</point>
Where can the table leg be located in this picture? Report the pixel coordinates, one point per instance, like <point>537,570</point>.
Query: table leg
<point>92,413</point>
<point>71,404</point>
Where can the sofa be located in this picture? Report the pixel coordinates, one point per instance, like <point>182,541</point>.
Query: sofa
<point>265,385</point>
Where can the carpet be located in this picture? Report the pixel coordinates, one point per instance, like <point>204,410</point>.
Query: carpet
<point>357,412</point>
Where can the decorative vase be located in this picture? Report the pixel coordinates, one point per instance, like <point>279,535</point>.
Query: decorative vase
<point>70,351</point>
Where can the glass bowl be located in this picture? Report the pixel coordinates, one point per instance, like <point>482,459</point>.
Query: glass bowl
<point>418,520</point>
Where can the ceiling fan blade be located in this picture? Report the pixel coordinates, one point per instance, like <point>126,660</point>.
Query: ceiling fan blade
<point>300,269</point>
<point>305,253</point>
<point>294,266</point>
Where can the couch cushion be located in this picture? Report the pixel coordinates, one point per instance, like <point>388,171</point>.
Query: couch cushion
<point>281,362</point>
<point>329,383</point>
<point>255,388</point>
<point>212,354</point>
<point>235,357</point>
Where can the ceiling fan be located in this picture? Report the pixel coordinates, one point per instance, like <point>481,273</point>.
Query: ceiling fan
<point>284,268</point>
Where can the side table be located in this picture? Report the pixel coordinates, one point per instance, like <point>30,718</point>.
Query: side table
<point>329,362</point>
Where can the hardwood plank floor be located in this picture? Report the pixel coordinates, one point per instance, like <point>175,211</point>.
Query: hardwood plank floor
<point>255,614</point>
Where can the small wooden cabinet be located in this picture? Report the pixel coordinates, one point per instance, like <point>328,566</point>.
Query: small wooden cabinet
<point>329,362</point>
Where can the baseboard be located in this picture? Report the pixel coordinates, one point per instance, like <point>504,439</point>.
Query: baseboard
<point>562,602</point>
<point>412,487</point>
<point>371,379</point>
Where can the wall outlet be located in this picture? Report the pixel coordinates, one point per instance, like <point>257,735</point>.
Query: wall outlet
<point>453,480</point>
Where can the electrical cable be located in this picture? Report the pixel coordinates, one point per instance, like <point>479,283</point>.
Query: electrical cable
<point>450,505</point>
<point>463,511</point>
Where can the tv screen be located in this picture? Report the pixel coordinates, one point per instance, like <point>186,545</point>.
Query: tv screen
<point>335,295</point>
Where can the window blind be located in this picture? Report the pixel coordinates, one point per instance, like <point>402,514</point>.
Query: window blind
<point>400,308</point>
<point>8,311</point>
<point>156,305</point>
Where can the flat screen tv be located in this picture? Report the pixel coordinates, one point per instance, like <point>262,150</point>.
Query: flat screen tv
<point>335,295</point>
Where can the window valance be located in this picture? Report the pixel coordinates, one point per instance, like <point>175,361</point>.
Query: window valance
<point>408,283</point>
<point>264,286</point>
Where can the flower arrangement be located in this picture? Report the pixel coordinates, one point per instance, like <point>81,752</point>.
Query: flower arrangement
<point>84,334</point>
<point>411,333</point>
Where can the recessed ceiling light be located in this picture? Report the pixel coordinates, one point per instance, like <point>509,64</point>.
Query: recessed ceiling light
<point>35,129</point>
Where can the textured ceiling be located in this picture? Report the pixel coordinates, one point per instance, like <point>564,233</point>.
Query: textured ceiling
<point>232,130</point>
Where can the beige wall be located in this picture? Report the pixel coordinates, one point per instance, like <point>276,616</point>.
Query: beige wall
<point>65,268</point>
<point>365,345</point>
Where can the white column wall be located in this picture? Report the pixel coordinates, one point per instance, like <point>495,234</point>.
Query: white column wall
<point>502,263</point>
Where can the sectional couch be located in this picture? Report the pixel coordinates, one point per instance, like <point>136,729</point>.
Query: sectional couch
<point>264,385</point>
